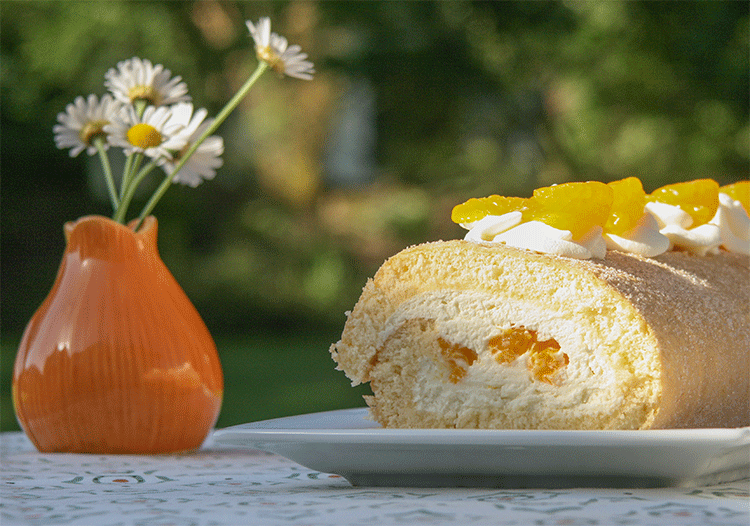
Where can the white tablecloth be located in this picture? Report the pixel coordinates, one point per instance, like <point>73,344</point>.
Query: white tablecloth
<point>216,487</point>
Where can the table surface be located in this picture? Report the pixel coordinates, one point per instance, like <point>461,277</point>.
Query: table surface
<point>220,486</point>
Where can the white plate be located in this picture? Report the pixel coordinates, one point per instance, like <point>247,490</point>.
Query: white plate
<point>347,443</point>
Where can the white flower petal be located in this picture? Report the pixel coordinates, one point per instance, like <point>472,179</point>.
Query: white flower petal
<point>135,79</point>
<point>82,121</point>
<point>157,117</point>
<point>262,32</point>
<point>203,163</point>
<point>276,51</point>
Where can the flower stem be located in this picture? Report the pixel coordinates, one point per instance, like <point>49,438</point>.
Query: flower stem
<point>130,191</point>
<point>163,187</point>
<point>126,174</point>
<point>131,168</point>
<point>128,185</point>
<point>99,143</point>
<point>220,118</point>
<point>140,107</point>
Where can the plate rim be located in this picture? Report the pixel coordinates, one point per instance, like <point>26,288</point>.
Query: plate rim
<point>273,428</point>
<point>374,456</point>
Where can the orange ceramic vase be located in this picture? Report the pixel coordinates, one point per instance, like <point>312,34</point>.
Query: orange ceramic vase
<point>116,359</point>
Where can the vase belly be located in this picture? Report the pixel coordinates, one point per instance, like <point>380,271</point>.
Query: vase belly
<point>116,359</point>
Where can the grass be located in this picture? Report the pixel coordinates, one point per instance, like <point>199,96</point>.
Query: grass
<point>265,376</point>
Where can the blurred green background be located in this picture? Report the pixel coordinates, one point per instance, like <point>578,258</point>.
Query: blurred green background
<point>415,107</point>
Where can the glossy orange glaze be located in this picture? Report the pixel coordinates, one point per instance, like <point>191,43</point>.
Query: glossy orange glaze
<point>576,207</point>
<point>698,198</point>
<point>116,359</point>
<point>628,200</point>
<point>739,191</point>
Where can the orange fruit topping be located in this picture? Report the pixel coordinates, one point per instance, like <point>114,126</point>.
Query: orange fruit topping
<point>629,198</point>
<point>699,198</point>
<point>545,363</point>
<point>476,208</point>
<point>576,207</point>
<point>511,344</point>
<point>544,358</point>
<point>457,357</point>
<point>739,191</point>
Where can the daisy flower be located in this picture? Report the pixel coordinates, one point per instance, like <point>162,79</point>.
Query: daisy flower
<point>139,80</point>
<point>206,158</point>
<point>83,122</point>
<point>148,113</point>
<point>277,53</point>
<point>152,134</point>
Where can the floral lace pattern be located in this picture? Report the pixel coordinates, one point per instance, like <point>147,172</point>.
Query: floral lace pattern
<point>220,486</point>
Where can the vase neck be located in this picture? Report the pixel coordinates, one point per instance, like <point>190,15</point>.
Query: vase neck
<point>101,237</point>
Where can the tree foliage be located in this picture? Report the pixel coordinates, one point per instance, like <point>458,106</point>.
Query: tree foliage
<point>416,107</point>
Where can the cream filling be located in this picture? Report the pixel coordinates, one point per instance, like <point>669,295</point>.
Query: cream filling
<point>590,383</point>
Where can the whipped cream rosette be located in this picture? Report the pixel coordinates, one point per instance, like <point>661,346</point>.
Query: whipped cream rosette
<point>694,216</point>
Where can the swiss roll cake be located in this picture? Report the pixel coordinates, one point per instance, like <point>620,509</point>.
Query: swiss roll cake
<point>606,315</point>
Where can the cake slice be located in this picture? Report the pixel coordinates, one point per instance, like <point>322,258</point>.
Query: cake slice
<point>462,334</point>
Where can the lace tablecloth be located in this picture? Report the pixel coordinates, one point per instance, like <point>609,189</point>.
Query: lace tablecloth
<point>216,487</point>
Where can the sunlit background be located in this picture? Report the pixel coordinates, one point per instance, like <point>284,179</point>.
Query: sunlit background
<point>415,107</point>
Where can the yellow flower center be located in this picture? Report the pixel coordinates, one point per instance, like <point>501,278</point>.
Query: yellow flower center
<point>91,130</point>
<point>144,136</point>
<point>268,55</point>
<point>145,93</point>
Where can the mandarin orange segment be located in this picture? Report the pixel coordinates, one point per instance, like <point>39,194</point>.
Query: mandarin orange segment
<point>457,357</point>
<point>739,191</point>
<point>545,363</point>
<point>629,200</point>
<point>544,360</point>
<point>476,208</point>
<point>699,198</point>
<point>510,344</point>
<point>576,207</point>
